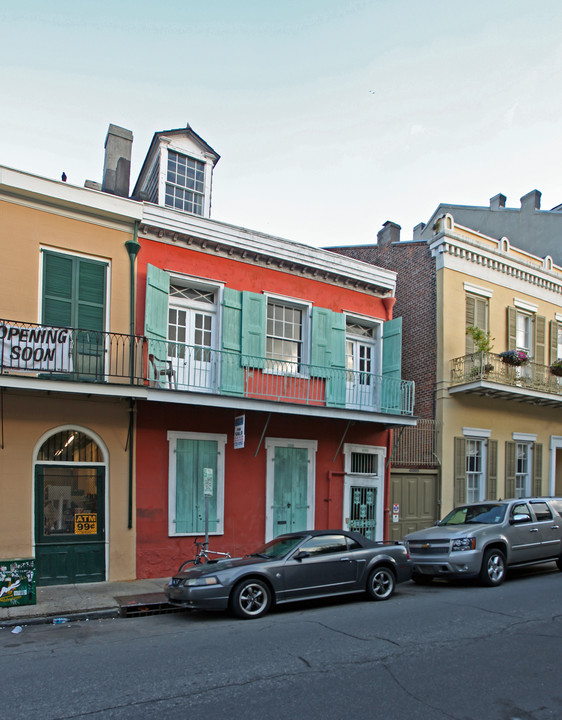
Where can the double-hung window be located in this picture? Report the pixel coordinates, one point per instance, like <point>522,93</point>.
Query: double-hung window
<point>522,470</point>
<point>185,183</point>
<point>284,336</point>
<point>196,483</point>
<point>475,479</point>
<point>475,464</point>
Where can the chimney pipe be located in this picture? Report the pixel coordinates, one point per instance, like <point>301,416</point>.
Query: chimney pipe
<point>117,162</point>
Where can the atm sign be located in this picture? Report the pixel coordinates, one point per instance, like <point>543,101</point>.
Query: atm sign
<point>85,524</point>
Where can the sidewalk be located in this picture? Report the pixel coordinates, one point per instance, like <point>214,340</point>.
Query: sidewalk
<point>83,601</point>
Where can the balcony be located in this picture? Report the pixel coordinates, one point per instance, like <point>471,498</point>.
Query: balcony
<point>46,356</point>
<point>486,374</point>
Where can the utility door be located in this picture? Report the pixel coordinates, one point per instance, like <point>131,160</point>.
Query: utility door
<point>69,524</point>
<point>413,502</point>
<point>290,490</point>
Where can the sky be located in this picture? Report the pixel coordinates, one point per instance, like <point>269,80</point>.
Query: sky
<point>331,116</point>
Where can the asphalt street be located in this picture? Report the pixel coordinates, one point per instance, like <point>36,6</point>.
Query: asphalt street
<point>446,651</point>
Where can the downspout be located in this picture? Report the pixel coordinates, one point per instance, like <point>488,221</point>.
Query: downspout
<point>133,247</point>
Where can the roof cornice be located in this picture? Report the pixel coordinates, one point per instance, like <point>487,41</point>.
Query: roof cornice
<point>211,236</point>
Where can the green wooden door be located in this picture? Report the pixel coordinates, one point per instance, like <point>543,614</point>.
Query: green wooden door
<point>290,492</point>
<point>69,524</point>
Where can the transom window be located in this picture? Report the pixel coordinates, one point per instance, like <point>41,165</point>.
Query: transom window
<point>284,335</point>
<point>185,183</point>
<point>364,463</point>
<point>189,293</point>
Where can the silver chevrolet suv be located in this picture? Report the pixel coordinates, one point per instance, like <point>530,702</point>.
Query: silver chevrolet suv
<point>484,539</point>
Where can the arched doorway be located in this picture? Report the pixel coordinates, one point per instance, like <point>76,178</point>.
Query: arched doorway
<point>69,508</point>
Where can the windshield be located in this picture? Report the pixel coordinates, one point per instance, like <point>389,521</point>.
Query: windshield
<point>486,513</point>
<point>279,547</point>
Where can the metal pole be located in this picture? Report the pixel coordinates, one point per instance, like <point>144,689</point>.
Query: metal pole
<point>206,522</point>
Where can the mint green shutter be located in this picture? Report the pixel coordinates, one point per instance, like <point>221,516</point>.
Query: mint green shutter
<point>156,314</point>
<point>192,456</point>
<point>392,366</point>
<point>321,342</point>
<point>254,310</point>
<point>290,493</point>
<point>232,372</point>
<point>336,385</point>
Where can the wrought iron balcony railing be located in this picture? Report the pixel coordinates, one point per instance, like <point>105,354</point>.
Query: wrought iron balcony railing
<point>490,367</point>
<point>90,356</point>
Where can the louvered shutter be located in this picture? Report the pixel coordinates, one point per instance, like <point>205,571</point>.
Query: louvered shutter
<point>537,469</point>
<point>511,328</point>
<point>553,341</point>
<point>460,471</point>
<point>254,310</point>
<point>492,471</point>
<point>232,372</point>
<point>392,366</point>
<point>57,290</point>
<point>510,468</point>
<point>540,340</point>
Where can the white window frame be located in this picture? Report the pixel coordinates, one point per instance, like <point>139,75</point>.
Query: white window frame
<point>479,436</point>
<point>306,310</point>
<point>369,480</point>
<point>221,440</point>
<point>270,444</point>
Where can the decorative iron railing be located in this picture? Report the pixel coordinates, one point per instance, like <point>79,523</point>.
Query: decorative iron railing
<point>491,367</point>
<point>90,356</point>
<point>417,446</point>
<point>69,354</point>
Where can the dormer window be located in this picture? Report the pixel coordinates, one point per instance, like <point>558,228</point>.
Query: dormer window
<point>185,183</point>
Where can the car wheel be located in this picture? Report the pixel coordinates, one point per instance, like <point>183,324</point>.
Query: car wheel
<point>422,579</point>
<point>493,568</point>
<point>250,599</point>
<point>381,583</point>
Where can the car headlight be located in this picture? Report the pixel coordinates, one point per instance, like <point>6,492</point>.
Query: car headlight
<point>464,544</point>
<point>205,580</point>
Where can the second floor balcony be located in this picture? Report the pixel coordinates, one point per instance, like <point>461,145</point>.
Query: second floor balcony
<point>37,352</point>
<point>487,374</point>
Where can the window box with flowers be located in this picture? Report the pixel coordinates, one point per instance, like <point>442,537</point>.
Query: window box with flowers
<point>514,357</point>
<point>556,367</point>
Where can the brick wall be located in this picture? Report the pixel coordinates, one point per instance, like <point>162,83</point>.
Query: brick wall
<point>416,304</point>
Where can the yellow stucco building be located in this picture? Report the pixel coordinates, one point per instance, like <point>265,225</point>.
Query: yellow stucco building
<point>498,401</point>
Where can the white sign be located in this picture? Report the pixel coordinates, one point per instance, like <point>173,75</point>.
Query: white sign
<point>208,482</point>
<point>36,348</point>
<point>395,517</point>
<point>239,431</point>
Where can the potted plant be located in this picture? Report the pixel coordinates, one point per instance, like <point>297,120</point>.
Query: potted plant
<point>514,357</point>
<point>482,344</point>
<point>556,367</point>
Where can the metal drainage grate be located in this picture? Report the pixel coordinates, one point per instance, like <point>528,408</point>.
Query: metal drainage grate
<point>144,605</point>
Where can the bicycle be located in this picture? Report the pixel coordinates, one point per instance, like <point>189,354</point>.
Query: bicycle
<point>202,556</point>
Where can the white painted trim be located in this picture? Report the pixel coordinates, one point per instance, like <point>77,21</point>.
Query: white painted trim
<point>558,317</point>
<point>476,432</point>
<point>221,439</point>
<point>524,305</point>
<point>270,445</point>
<point>525,437</point>
<point>477,290</point>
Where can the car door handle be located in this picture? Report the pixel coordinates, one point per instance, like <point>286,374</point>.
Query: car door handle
<point>555,527</point>
<point>344,559</point>
<point>533,530</point>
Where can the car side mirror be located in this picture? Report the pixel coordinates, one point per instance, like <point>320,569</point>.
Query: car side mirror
<point>519,518</point>
<point>300,555</point>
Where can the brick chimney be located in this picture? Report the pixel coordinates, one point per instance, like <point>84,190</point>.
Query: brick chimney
<point>389,233</point>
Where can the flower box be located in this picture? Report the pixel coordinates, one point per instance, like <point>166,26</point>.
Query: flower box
<point>514,357</point>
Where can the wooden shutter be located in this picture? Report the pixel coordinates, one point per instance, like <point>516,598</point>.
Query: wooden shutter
<point>232,372</point>
<point>392,365</point>
<point>321,342</point>
<point>511,328</point>
<point>156,305</point>
<point>57,290</point>
<point>460,471</point>
<point>90,305</point>
<point>537,469</point>
<point>254,311</point>
<point>476,316</point>
<point>553,341</point>
<point>540,340</point>
<point>192,456</point>
<point>510,468</point>
<point>492,471</point>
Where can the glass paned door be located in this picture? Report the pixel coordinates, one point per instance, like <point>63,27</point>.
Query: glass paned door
<point>363,504</point>
<point>190,333</point>
<point>70,524</point>
<point>360,364</point>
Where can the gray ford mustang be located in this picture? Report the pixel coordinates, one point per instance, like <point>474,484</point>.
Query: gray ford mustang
<point>296,566</point>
